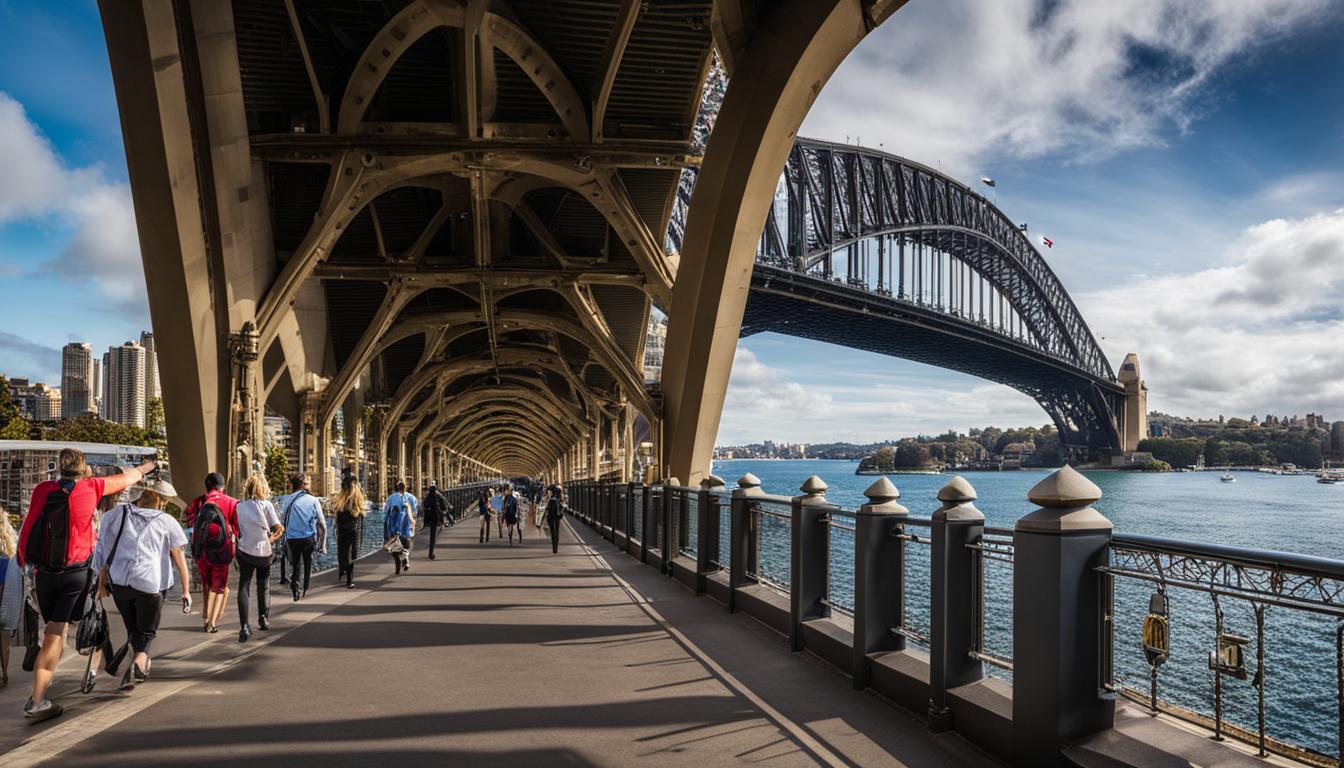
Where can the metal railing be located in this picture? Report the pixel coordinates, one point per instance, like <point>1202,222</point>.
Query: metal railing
<point>1183,599</point>
<point>771,529</point>
<point>916,574</point>
<point>992,551</point>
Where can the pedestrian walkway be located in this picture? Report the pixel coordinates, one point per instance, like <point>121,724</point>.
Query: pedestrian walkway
<point>494,655</point>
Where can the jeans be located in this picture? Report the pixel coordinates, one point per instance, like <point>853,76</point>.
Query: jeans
<point>140,612</point>
<point>347,549</point>
<point>300,550</point>
<point>433,538</point>
<point>248,566</point>
<point>554,524</point>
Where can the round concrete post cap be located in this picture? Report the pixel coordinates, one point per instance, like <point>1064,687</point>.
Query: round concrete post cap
<point>672,481</point>
<point>748,481</point>
<point>813,486</point>
<point>958,489</point>
<point>882,491</point>
<point>1066,487</point>
<point>713,481</point>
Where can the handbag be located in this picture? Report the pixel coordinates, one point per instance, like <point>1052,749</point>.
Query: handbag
<point>394,546</point>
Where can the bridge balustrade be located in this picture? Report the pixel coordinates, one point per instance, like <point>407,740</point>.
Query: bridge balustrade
<point>940,614</point>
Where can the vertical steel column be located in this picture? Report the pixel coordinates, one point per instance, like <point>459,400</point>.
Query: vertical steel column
<point>1057,619</point>
<point>807,553</point>
<point>879,570</point>
<point>952,625</point>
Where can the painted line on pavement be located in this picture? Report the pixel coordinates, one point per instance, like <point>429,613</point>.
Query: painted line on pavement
<point>59,738</point>
<point>806,739</point>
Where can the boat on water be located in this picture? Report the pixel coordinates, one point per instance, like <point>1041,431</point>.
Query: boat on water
<point>1228,478</point>
<point>1330,478</point>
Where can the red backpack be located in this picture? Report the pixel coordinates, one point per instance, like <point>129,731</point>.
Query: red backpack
<point>217,549</point>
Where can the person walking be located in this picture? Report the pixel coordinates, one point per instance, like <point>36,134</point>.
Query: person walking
<point>11,592</point>
<point>57,539</point>
<point>398,528</point>
<point>213,519</point>
<point>437,512</point>
<point>305,531</point>
<point>483,501</point>
<point>509,505</point>
<point>138,546</point>
<point>555,511</point>
<point>259,529</point>
<point>350,511</point>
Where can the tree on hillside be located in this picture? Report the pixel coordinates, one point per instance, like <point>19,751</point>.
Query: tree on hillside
<point>91,429</point>
<point>12,424</point>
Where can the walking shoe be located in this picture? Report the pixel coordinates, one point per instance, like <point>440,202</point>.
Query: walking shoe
<point>431,556</point>
<point>350,585</point>
<point>244,634</point>
<point>139,675</point>
<point>263,623</point>
<point>296,595</point>
<point>44,711</point>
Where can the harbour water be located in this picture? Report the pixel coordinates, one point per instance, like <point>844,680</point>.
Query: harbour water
<point>1262,511</point>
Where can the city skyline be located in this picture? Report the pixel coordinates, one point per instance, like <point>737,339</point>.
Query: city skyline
<point>1170,184</point>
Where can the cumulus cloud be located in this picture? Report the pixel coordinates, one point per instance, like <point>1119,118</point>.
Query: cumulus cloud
<point>16,350</point>
<point>1256,332</point>
<point>39,186</point>
<point>951,82</point>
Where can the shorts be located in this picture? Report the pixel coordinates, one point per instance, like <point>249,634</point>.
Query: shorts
<point>63,596</point>
<point>510,518</point>
<point>214,577</point>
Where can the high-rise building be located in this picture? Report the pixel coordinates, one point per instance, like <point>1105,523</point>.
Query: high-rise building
<point>76,379</point>
<point>151,365</point>
<point>46,403</point>
<point>24,396</point>
<point>102,386</point>
<point>654,342</point>
<point>125,392</point>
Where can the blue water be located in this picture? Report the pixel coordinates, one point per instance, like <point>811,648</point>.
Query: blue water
<point>1287,513</point>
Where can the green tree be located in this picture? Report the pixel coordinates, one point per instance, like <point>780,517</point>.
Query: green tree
<point>91,429</point>
<point>12,424</point>
<point>154,421</point>
<point>884,457</point>
<point>277,469</point>
<point>909,453</point>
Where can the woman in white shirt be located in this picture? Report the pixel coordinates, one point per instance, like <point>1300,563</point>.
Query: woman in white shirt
<point>137,546</point>
<point>258,529</point>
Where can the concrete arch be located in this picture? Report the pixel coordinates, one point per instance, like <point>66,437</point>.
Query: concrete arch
<point>774,82</point>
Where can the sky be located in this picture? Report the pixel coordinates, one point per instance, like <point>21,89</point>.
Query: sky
<point>1185,156</point>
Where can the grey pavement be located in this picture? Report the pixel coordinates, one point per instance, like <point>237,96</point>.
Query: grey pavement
<point>489,655</point>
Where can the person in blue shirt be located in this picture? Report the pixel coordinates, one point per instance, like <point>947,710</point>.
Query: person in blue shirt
<point>305,530</point>
<point>483,501</point>
<point>399,525</point>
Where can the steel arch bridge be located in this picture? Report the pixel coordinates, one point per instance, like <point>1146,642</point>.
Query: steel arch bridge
<point>872,251</point>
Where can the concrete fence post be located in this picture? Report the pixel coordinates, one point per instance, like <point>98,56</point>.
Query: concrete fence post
<point>807,554</point>
<point>739,534</point>
<point>707,537</point>
<point>951,583</point>
<point>644,520</point>
<point>1057,620</point>
<point>670,539</point>
<point>879,569</point>
<point>629,513</point>
<point>610,530</point>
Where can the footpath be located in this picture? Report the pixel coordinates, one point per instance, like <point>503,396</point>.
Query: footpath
<point>489,655</point>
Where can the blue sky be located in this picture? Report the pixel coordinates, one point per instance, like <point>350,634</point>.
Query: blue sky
<point>1186,156</point>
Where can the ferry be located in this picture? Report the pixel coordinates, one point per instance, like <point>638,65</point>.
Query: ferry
<point>1227,478</point>
<point>1330,478</point>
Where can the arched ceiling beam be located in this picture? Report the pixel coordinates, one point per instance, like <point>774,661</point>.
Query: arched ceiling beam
<point>540,67</point>
<point>611,61</point>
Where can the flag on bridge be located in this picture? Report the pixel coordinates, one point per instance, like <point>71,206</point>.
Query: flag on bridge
<point>988,182</point>
<point>1048,242</point>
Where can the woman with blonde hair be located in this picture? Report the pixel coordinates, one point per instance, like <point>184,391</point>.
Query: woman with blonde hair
<point>258,529</point>
<point>350,508</point>
<point>11,592</point>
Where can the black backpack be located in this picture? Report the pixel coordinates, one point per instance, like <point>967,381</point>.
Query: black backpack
<point>212,549</point>
<point>48,545</point>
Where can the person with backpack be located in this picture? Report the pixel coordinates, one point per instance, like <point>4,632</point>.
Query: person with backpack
<point>213,519</point>
<point>555,512</point>
<point>509,512</point>
<point>398,528</point>
<point>138,546</point>
<point>259,529</point>
<point>305,531</point>
<point>57,539</point>
<point>437,512</point>
<point>350,510</point>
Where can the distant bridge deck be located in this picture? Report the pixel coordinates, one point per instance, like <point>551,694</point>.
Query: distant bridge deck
<point>487,655</point>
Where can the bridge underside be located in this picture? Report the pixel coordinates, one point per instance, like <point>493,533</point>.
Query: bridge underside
<point>1083,408</point>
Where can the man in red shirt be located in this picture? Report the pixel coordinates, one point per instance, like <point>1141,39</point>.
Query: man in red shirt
<point>62,586</point>
<point>214,576</point>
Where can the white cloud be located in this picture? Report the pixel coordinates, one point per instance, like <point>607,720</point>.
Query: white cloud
<point>104,247</point>
<point>950,82</point>
<point>1257,332</point>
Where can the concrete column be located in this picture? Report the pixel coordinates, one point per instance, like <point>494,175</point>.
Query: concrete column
<point>807,553</point>
<point>739,535</point>
<point>707,537</point>
<point>1057,621</point>
<point>951,589</point>
<point>668,546</point>
<point>879,573</point>
<point>401,456</point>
